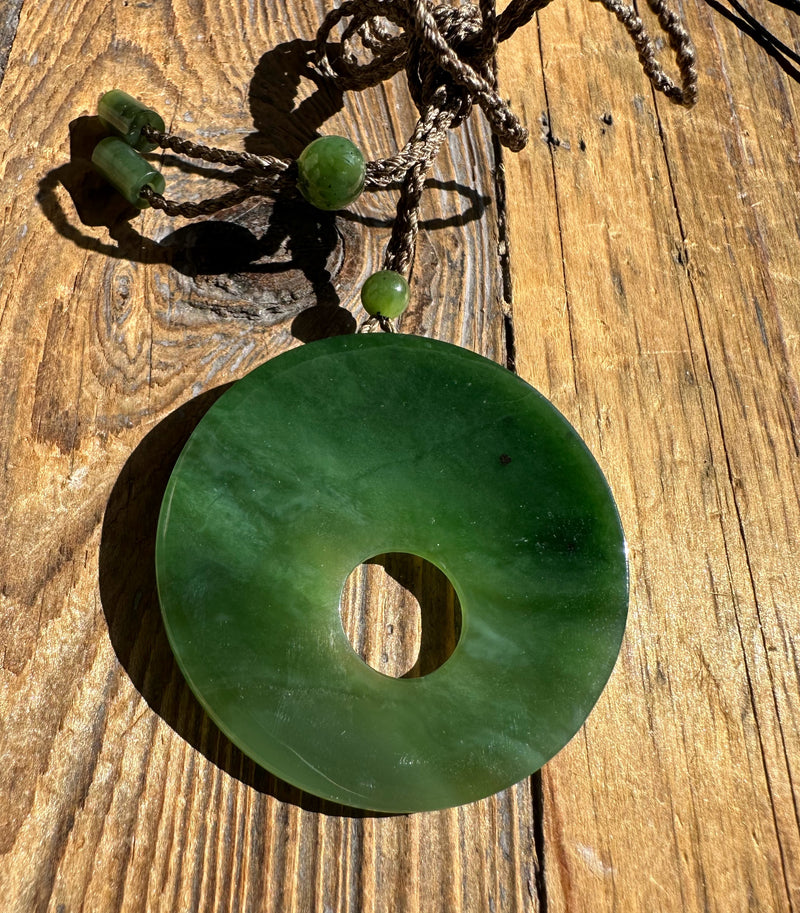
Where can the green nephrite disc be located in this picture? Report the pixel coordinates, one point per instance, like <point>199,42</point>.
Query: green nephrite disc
<point>355,446</point>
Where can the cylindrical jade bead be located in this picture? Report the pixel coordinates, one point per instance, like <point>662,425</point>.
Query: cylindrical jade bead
<point>126,116</point>
<point>331,172</point>
<point>122,166</point>
<point>385,294</point>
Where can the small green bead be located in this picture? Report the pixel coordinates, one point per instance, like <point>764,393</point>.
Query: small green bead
<point>385,294</point>
<point>126,116</point>
<point>123,167</point>
<point>331,172</point>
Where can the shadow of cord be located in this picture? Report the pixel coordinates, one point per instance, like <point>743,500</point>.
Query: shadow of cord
<point>127,550</point>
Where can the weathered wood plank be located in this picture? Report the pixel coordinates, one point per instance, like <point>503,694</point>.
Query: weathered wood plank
<point>655,301</point>
<point>655,286</point>
<point>116,793</point>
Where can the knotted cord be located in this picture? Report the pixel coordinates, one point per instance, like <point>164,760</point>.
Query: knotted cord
<point>448,54</point>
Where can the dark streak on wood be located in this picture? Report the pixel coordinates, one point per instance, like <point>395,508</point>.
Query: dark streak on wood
<point>9,20</point>
<point>540,878</point>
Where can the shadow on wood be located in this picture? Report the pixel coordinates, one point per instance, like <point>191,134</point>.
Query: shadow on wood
<point>280,258</point>
<point>401,615</point>
<point>130,603</point>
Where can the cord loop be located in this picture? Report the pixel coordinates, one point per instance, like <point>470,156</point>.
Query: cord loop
<point>448,54</point>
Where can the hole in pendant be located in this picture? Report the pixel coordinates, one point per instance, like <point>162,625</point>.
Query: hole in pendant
<point>401,615</point>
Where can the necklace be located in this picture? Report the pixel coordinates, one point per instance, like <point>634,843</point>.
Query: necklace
<point>382,442</point>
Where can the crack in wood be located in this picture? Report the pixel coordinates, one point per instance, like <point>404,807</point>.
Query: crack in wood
<point>742,534</point>
<point>540,874</point>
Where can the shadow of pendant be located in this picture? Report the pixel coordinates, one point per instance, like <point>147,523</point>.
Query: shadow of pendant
<point>130,603</point>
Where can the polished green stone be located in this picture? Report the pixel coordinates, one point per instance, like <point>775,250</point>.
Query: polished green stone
<point>385,294</point>
<point>123,167</point>
<point>359,445</point>
<point>126,116</point>
<point>331,172</point>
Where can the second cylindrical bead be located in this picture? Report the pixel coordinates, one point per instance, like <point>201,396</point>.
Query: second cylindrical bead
<point>122,166</point>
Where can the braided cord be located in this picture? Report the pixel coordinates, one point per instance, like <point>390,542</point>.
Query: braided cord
<point>449,56</point>
<point>679,41</point>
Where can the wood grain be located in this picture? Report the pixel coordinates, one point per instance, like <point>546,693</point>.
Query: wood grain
<point>655,301</point>
<point>115,335</point>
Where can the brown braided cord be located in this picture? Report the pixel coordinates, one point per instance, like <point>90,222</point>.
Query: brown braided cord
<point>189,210</point>
<point>260,164</point>
<point>517,14</point>
<point>448,54</point>
<point>378,324</point>
<point>400,249</point>
<point>680,43</point>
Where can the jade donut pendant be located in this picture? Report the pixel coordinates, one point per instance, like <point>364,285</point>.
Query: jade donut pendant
<point>359,445</point>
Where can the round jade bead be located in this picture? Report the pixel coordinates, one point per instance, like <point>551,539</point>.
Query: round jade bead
<point>331,172</point>
<point>358,445</point>
<point>126,116</point>
<point>385,294</point>
<point>123,167</point>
